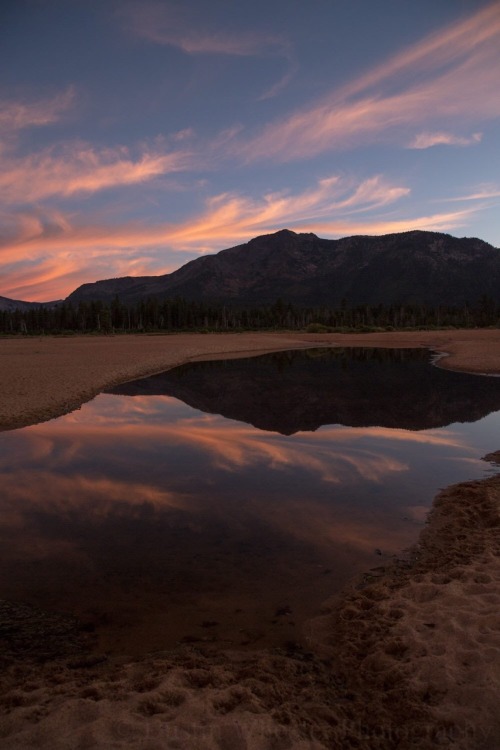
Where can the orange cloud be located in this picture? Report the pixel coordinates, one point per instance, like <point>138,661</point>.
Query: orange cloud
<point>79,168</point>
<point>227,217</point>
<point>451,74</point>
<point>440,222</point>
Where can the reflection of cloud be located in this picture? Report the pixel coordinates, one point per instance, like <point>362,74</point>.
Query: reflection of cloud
<point>427,140</point>
<point>45,488</point>
<point>331,453</point>
<point>59,494</point>
<point>242,447</point>
<point>230,446</point>
<point>316,524</point>
<point>51,516</point>
<point>450,74</point>
<point>429,437</point>
<point>64,480</point>
<point>31,495</point>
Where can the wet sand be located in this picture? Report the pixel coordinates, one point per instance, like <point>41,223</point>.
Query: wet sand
<point>408,657</point>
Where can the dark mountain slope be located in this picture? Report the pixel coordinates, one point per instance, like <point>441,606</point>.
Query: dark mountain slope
<point>421,267</point>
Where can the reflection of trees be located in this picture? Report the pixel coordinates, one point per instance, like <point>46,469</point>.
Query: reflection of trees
<point>301,390</point>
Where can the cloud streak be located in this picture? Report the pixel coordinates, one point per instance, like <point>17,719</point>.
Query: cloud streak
<point>448,75</point>
<point>80,168</point>
<point>160,24</point>
<point>483,193</point>
<point>17,115</point>
<point>227,217</point>
<point>428,140</point>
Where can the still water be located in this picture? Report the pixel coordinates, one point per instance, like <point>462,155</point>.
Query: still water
<point>222,502</point>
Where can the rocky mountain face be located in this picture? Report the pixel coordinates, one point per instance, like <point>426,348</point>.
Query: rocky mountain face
<point>428,268</point>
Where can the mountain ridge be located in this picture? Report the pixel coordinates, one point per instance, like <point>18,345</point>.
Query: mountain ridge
<point>413,267</point>
<point>419,267</point>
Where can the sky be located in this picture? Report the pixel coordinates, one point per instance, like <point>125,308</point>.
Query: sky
<point>136,135</point>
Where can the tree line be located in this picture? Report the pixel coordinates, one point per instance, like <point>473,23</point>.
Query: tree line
<point>178,314</point>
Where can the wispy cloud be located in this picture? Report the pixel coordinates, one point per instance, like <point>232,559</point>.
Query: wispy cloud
<point>233,217</point>
<point>448,75</point>
<point>162,24</point>
<point>227,217</point>
<point>80,168</point>
<point>17,115</point>
<point>438,222</point>
<point>427,140</point>
<point>482,193</point>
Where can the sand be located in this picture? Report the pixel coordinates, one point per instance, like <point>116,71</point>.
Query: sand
<point>407,657</point>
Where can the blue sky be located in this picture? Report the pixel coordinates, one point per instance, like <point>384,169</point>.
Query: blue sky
<point>135,136</point>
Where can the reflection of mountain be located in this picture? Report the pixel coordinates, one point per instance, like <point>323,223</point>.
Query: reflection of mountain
<point>291,391</point>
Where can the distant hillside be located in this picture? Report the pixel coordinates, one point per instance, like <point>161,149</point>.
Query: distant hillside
<point>427,268</point>
<point>17,304</point>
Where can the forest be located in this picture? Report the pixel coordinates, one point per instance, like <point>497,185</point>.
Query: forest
<point>153,315</point>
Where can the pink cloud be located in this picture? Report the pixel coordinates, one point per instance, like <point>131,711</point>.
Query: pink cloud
<point>79,168</point>
<point>427,140</point>
<point>483,192</point>
<point>440,222</point>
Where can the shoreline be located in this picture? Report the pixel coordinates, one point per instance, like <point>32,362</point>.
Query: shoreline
<point>43,378</point>
<point>408,656</point>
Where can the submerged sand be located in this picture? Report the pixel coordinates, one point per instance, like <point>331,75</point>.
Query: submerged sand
<point>409,657</point>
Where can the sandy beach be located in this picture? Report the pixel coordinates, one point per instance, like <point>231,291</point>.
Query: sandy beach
<point>407,657</point>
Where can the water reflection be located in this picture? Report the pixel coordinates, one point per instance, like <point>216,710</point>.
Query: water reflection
<point>288,392</point>
<point>153,520</point>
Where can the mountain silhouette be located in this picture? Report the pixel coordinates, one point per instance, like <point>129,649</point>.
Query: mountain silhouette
<point>427,268</point>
